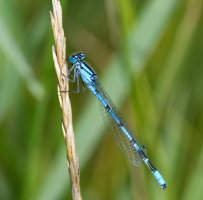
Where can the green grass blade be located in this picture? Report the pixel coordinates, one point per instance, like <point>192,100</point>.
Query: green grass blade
<point>14,55</point>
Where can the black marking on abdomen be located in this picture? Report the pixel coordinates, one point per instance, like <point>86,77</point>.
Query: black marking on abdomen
<point>163,186</point>
<point>107,107</point>
<point>132,141</point>
<point>153,169</point>
<point>120,124</point>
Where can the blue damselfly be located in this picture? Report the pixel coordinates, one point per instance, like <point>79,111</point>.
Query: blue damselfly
<point>122,135</point>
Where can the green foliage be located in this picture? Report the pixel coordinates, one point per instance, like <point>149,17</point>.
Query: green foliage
<point>148,55</point>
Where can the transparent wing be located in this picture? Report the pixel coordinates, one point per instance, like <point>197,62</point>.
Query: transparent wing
<point>118,136</point>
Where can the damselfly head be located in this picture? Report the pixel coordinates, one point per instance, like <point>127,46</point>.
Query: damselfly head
<point>76,57</point>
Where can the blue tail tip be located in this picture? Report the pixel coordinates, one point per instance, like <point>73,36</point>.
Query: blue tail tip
<point>163,186</point>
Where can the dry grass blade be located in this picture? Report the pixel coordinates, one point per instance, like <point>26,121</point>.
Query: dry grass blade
<point>59,57</point>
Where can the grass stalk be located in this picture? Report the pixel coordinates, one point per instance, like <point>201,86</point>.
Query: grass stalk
<point>59,57</point>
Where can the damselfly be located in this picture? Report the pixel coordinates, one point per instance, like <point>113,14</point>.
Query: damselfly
<point>122,135</point>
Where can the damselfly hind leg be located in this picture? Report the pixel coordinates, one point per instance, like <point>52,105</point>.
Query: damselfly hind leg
<point>75,78</point>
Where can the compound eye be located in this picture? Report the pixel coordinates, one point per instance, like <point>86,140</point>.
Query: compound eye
<point>81,56</point>
<point>73,59</point>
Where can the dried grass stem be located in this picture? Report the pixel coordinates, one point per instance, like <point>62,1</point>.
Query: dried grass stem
<point>59,57</point>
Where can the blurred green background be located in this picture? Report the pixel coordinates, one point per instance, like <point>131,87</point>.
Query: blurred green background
<point>148,55</point>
